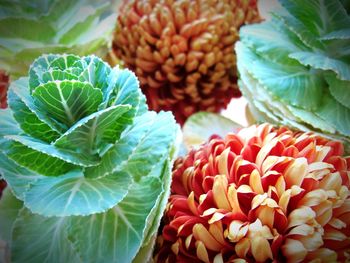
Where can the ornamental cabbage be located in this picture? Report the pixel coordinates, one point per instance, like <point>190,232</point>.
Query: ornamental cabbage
<point>295,69</point>
<point>30,28</point>
<point>89,161</point>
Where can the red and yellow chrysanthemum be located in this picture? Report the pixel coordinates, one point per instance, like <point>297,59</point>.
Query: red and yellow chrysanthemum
<point>264,194</point>
<point>182,51</point>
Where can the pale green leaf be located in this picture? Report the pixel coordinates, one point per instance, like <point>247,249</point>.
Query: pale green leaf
<point>8,125</point>
<point>323,62</point>
<point>41,239</point>
<point>116,236</point>
<point>94,131</point>
<point>339,34</point>
<point>140,147</point>
<point>18,178</point>
<point>201,126</point>
<point>340,89</point>
<point>9,209</point>
<point>73,194</point>
<point>292,84</point>
<point>67,101</point>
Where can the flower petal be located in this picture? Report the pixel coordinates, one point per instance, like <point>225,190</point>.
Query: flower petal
<point>294,250</point>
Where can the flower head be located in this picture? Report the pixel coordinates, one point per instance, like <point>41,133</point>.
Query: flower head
<point>182,51</point>
<point>259,195</point>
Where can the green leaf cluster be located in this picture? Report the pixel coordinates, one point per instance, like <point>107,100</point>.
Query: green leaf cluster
<point>90,163</point>
<point>295,69</point>
<point>29,28</point>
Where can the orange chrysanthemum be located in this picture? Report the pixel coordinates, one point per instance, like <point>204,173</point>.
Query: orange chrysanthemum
<point>264,194</point>
<point>4,82</point>
<point>182,51</point>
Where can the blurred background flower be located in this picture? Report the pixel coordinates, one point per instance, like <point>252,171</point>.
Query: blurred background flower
<point>182,51</point>
<point>4,82</point>
<point>259,195</point>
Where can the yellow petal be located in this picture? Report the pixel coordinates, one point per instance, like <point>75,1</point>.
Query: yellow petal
<point>284,200</point>
<point>218,258</point>
<point>202,234</point>
<point>242,247</point>
<point>296,172</point>
<point>311,242</point>
<point>337,223</point>
<point>220,192</point>
<point>237,230</point>
<point>191,203</point>
<point>202,252</point>
<point>280,186</point>
<point>188,241</point>
<point>315,166</point>
<point>266,215</point>
<point>324,254</point>
<point>216,217</point>
<point>222,162</point>
<point>300,216</point>
<point>175,248</point>
<point>264,151</point>
<point>321,152</point>
<point>293,250</point>
<point>258,199</point>
<point>323,207</point>
<point>255,182</point>
<point>261,249</point>
<point>233,200</point>
<point>314,197</point>
<point>258,229</point>
<point>303,230</point>
<point>331,181</point>
<point>334,234</point>
<point>324,218</point>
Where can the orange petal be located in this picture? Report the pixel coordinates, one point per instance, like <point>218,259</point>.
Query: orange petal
<point>220,192</point>
<point>296,172</point>
<point>314,197</point>
<point>233,199</point>
<point>261,249</point>
<point>202,252</point>
<point>192,204</point>
<point>293,250</point>
<point>216,230</point>
<point>222,162</point>
<point>266,215</point>
<point>201,233</point>
<point>242,247</point>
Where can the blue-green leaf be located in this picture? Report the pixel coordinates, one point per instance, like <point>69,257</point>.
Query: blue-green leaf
<point>9,209</point>
<point>96,130</point>
<point>8,125</point>
<point>340,89</point>
<point>116,236</point>
<point>323,62</point>
<point>18,178</point>
<point>73,194</point>
<point>140,147</point>
<point>67,101</point>
<point>41,239</point>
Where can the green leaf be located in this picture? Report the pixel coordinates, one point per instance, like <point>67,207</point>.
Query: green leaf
<point>73,194</point>
<point>26,116</point>
<point>18,178</point>
<point>116,236</point>
<point>67,101</point>
<point>45,158</point>
<point>140,147</point>
<point>94,131</point>
<point>339,34</point>
<point>324,62</point>
<point>319,16</point>
<point>340,89</point>
<point>202,125</point>
<point>9,209</point>
<point>41,239</point>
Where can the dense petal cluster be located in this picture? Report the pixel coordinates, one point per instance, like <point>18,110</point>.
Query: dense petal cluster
<point>259,195</point>
<point>4,82</point>
<point>182,51</point>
